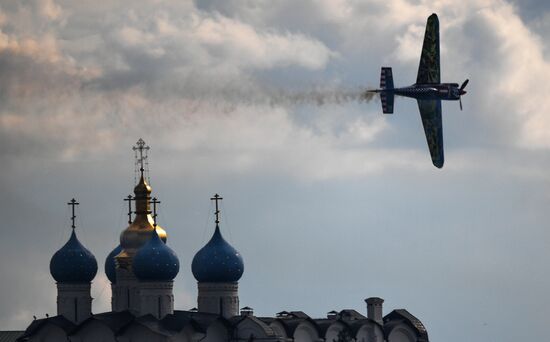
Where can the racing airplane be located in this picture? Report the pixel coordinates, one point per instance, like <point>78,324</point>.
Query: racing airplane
<point>428,91</point>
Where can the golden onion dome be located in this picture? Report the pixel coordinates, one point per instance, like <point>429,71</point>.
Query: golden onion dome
<point>139,231</point>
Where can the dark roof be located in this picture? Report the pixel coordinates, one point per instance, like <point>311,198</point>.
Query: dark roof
<point>349,314</point>
<point>323,324</point>
<point>10,336</point>
<point>58,321</point>
<point>299,314</point>
<point>115,321</point>
<point>402,315</point>
<point>199,320</point>
<point>178,321</point>
<point>291,321</point>
<point>171,324</point>
<point>150,322</point>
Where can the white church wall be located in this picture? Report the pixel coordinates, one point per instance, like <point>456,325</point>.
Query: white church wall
<point>216,332</point>
<point>305,332</point>
<point>370,332</point>
<point>74,301</point>
<point>402,333</point>
<point>215,296</point>
<point>333,331</point>
<point>156,298</point>
<point>278,328</point>
<point>250,328</point>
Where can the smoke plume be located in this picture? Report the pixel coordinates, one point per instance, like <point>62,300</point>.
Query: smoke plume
<point>231,97</point>
<point>319,97</point>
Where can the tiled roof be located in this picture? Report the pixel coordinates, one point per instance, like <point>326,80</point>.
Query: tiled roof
<point>404,315</point>
<point>10,336</point>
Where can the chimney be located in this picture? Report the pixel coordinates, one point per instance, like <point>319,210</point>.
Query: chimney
<point>332,314</point>
<point>374,309</point>
<point>247,311</point>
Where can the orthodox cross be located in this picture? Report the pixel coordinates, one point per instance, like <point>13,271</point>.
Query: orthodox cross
<point>142,149</point>
<point>154,201</point>
<point>73,203</point>
<point>216,199</point>
<point>129,199</point>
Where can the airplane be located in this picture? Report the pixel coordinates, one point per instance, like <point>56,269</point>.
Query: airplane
<point>428,91</point>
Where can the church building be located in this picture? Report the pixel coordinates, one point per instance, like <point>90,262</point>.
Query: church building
<point>142,269</point>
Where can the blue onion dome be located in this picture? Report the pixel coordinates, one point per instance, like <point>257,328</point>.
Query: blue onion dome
<point>155,261</point>
<point>217,261</point>
<point>110,265</point>
<point>73,263</point>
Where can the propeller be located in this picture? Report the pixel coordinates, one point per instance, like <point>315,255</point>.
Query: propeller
<point>461,92</point>
<point>464,84</point>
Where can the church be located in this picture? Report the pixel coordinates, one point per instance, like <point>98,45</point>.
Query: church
<point>142,269</point>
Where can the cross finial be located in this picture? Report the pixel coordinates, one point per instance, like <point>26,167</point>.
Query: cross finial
<point>73,203</point>
<point>154,201</point>
<point>216,199</point>
<point>142,149</point>
<point>129,199</point>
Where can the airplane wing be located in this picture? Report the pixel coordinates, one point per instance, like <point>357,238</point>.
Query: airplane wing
<point>429,68</point>
<point>430,112</point>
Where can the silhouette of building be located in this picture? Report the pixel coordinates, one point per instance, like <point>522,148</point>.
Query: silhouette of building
<point>142,269</point>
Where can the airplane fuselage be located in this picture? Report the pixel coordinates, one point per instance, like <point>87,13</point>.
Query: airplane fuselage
<point>441,91</point>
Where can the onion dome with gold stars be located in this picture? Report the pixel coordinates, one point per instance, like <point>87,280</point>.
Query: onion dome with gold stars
<point>217,261</point>
<point>155,261</point>
<point>73,263</point>
<point>110,265</point>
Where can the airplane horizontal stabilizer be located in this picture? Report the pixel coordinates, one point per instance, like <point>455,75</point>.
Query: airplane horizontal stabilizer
<point>386,78</point>
<point>387,102</point>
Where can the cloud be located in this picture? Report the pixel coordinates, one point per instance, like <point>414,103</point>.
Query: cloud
<point>228,93</point>
<point>173,61</point>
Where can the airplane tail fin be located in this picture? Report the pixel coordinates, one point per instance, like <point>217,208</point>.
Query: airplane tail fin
<point>386,83</point>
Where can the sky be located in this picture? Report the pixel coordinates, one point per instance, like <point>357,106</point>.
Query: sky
<point>328,200</point>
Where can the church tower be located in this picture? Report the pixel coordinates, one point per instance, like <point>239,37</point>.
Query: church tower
<point>73,267</point>
<point>156,265</point>
<point>217,267</point>
<point>118,266</point>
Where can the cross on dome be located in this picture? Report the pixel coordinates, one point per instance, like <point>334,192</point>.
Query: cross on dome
<point>142,149</point>
<point>154,202</point>
<point>216,199</point>
<point>129,199</point>
<point>73,203</point>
